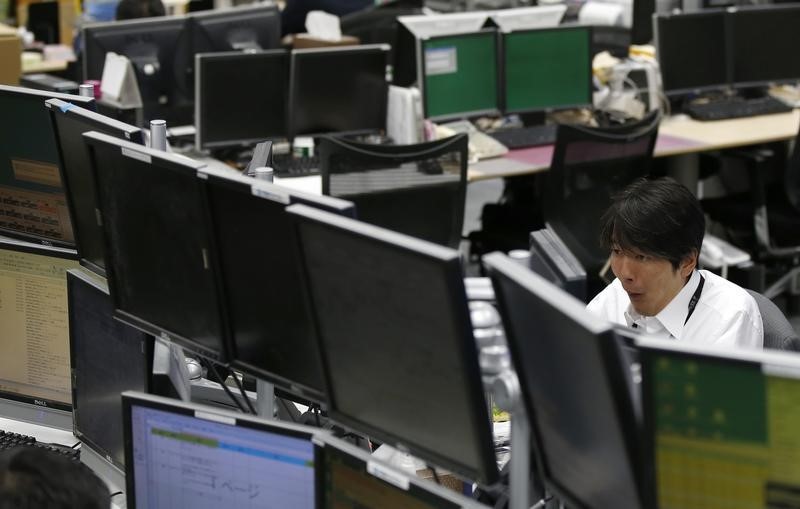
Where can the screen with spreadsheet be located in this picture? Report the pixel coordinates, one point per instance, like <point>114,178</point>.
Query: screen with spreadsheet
<point>466,63</point>
<point>34,337</point>
<point>722,428</point>
<point>547,69</point>
<point>191,457</point>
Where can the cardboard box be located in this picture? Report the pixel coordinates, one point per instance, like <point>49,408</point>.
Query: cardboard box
<point>10,56</point>
<point>306,41</point>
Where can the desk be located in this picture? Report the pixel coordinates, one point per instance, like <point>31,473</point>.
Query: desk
<point>678,135</point>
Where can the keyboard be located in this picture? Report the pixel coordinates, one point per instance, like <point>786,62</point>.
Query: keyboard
<point>287,166</point>
<point>736,107</point>
<point>10,440</point>
<point>524,137</point>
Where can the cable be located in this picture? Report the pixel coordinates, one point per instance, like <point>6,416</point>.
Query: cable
<point>244,395</point>
<point>115,494</point>
<point>436,476</point>
<point>75,446</point>
<point>226,388</point>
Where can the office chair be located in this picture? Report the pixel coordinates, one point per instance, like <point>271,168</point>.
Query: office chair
<point>778,332</point>
<point>415,189</point>
<point>589,165</point>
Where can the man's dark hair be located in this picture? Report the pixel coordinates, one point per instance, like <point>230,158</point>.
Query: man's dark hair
<point>32,477</point>
<point>134,9</point>
<point>658,217</point>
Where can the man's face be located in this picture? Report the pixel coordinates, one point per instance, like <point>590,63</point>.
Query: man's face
<point>651,283</point>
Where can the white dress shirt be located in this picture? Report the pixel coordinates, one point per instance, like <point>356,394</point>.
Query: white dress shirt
<point>725,313</point>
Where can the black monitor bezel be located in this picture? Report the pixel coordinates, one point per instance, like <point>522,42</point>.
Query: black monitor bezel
<point>500,266</point>
<point>274,193</point>
<point>503,65</point>
<point>201,59</point>
<point>487,472</point>
<point>146,374</point>
<point>365,48</point>
<point>126,131</point>
<point>211,414</point>
<point>87,102</point>
<point>55,252</point>
<point>420,67</point>
<point>166,162</point>
<point>658,19</point>
<point>198,21</point>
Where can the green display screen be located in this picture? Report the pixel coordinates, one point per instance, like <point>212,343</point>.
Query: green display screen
<point>547,69</point>
<point>460,74</point>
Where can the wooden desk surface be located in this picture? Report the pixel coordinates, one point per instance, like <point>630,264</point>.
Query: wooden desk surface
<point>677,135</point>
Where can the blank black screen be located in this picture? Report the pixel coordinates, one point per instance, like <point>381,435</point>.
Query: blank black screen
<point>568,392</point>
<point>153,225</point>
<point>691,51</point>
<point>396,339</point>
<point>763,44</point>
<point>338,90</point>
<point>247,109</point>
<point>108,357</point>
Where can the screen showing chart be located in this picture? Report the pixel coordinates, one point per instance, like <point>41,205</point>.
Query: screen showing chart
<point>34,332</point>
<point>724,432</point>
<point>185,462</point>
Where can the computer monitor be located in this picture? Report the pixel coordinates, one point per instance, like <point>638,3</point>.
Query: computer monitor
<point>720,424</point>
<point>637,16</point>
<point>338,90</point>
<point>466,63</point>
<point>552,259</point>
<point>33,205</point>
<point>187,455</point>
<point>236,28</point>
<point>690,50</point>
<point>351,478</point>
<point>271,329</point>
<point>43,21</point>
<point>157,247</point>
<point>576,390</point>
<point>758,56</point>
<point>528,18</point>
<point>229,84</point>
<point>69,123</point>
<point>400,361</point>
<point>107,357</point>
<point>432,25</point>
<point>160,51</point>
<point>34,350</point>
<point>547,69</point>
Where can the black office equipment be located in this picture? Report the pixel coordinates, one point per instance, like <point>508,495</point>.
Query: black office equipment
<point>759,53</point>
<point>552,259</point>
<point>393,325</point>
<point>237,28</point>
<point>692,52</point>
<point>416,189</point>
<point>715,417</point>
<point>48,82</point>
<point>288,166</point>
<point>10,440</point>
<point>524,137</point>
<point>107,357</point>
<point>43,21</point>
<point>271,328</point>
<point>157,248</point>
<point>338,90</point>
<point>735,107</point>
<point>188,455</point>
<point>576,390</point>
<point>245,110</point>
<point>32,201</point>
<point>69,123</point>
<point>34,351</point>
<point>351,478</point>
<point>642,21</point>
<point>160,51</point>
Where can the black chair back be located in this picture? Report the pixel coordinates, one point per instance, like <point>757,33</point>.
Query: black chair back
<point>415,189</point>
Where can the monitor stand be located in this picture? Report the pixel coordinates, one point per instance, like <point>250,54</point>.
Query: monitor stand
<point>265,399</point>
<point>508,397</point>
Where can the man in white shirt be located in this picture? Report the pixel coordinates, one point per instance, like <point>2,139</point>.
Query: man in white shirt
<point>654,230</point>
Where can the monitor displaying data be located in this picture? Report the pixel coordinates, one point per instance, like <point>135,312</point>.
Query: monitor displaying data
<point>260,89</point>
<point>759,37</point>
<point>466,63</point>
<point>32,201</point>
<point>34,342</point>
<point>184,456</point>
<point>108,357</point>
<point>721,427</point>
<point>547,69</point>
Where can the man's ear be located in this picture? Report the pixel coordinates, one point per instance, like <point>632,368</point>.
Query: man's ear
<point>688,264</point>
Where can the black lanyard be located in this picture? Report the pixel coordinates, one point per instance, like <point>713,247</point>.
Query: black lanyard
<point>695,298</point>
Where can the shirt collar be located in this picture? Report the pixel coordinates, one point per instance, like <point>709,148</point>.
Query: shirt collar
<point>673,316</point>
